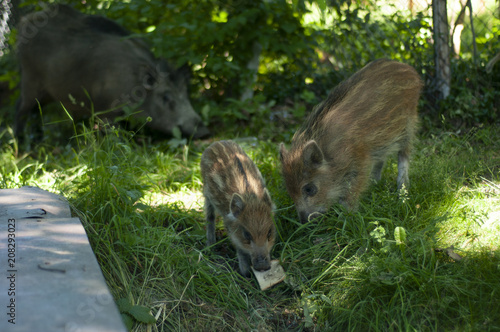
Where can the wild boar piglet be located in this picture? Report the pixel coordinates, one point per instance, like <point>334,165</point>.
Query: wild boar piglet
<point>349,135</point>
<point>234,189</point>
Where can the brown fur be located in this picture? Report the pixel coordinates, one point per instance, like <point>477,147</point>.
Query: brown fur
<point>350,134</point>
<point>234,188</point>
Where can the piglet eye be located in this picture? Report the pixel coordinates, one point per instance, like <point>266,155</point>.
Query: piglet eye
<point>247,236</point>
<point>309,190</point>
<point>270,234</point>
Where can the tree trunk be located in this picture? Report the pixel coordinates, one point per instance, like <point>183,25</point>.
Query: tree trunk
<point>5,14</point>
<point>253,66</point>
<point>441,48</point>
<point>16,12</point>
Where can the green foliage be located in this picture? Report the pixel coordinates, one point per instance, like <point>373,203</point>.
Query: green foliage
<point>217,38</point>
<point>131,313</point>
<point>369,34</point>
<point>474,98</point>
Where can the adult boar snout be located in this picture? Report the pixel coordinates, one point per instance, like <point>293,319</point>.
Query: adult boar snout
<point>201,132</point>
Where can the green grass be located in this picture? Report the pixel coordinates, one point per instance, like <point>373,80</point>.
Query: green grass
<point>141,206</point>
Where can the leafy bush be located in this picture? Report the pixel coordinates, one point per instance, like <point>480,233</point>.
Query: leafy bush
<point>217,38</point>
<point>308,47</point>
<point>474,98</point>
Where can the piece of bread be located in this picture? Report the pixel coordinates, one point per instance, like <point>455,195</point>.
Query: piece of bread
<point>271,277</point>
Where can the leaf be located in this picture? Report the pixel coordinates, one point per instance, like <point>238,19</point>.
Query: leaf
<point>308,312</point>
<point>141,206</point>
<point>128,321</point>
<point>123,305</point>
<point>378,234</point>
<point>134,195</point>
<point>205,113</point>
<point>176,132</point>
<point>322,5</point>
<point>400,235</point>
<point>142,314</point>
<point>288,27</point>
<point>386,278</point>
<point>174,143</point>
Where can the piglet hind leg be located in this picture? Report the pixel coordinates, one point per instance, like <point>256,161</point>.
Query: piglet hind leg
<point>377,170</point>
<point>210,215</point>
<point>403,168</point>
<point>405,147</point>
<point>357,183</point>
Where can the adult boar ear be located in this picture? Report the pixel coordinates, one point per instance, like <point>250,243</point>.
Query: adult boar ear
<point>237,205</point>
<point>148,76</point>
<point>312,155</point>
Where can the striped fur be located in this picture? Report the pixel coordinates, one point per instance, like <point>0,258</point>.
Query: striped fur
<point>234,188</point>
<point>349,135</point>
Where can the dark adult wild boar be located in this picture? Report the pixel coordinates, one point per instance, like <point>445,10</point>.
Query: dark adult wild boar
<point>234,188</point>
<point>350,134</point>
<point>65,54</point>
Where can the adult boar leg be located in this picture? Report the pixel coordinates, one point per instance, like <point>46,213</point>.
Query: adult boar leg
<point>27,104</point>
<point>24,110</point>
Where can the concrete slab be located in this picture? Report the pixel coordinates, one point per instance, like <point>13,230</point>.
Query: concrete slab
<point>32,202</point>
<point>50,279</point>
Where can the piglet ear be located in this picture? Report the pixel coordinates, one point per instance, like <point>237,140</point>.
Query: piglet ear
<point>312,156</point>
<point>237,205</point>
<point>266,197</point>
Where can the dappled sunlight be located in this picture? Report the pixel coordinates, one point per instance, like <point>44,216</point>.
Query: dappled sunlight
<point>186,199</point>
<point>471,224</point>
<point>485,209</point>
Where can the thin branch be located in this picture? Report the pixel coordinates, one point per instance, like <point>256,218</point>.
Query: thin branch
<point>469,4</point>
